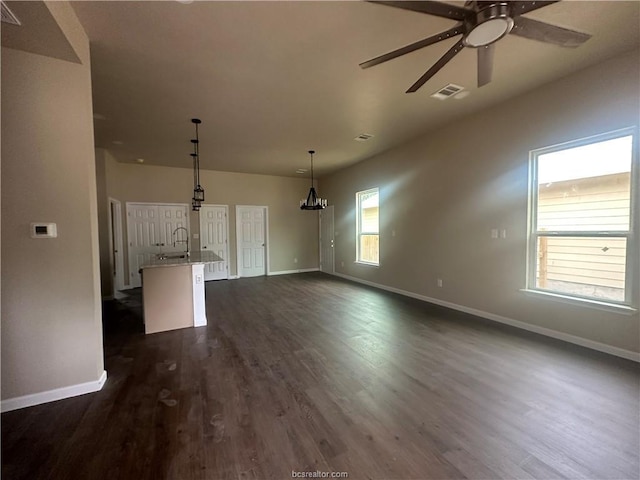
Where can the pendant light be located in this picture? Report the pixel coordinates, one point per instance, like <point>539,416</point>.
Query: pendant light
<point>198,191</point>
<point>313,202</point>
<point>195,204</point>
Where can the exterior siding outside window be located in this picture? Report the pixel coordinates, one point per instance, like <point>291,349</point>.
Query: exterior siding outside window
<point>368,227</point>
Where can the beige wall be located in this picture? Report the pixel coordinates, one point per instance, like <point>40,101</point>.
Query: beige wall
<point>293,233</point>
<point>51,310</point>
<point>444,192</point>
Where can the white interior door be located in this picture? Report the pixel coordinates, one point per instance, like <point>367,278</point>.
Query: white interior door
<point>327,241</point>
<point>251,226</point>
<point>170,219</point>
<point>214,226</point>
<point>149,232</point>
<point>143,240</point>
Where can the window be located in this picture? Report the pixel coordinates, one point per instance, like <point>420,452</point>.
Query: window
<point>582,242</point>
<point>368,244</point>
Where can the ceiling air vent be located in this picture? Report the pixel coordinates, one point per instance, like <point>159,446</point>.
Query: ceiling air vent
<point>363,137</point>
<point>8,16</point>
<point>447,91</point>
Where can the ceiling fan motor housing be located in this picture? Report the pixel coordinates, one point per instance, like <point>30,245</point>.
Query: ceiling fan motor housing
<point>490,23</point>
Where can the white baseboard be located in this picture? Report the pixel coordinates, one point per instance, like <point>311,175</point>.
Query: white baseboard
<point>288,272</point>
<point>281,272</point>
<point>601,347</point>
<point>53,395</point>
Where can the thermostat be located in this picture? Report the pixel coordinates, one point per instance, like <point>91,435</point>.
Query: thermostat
<point>44,230</point>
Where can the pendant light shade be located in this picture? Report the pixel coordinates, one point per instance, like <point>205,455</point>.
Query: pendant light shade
<point>312,202</point>
<point>198,191</point>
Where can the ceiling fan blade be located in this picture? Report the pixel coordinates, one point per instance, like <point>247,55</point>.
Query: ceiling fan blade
<point>439,9</point>
<point>485,64</point>
<point>544,32</point>
<point>457,30</point>
<point>453,51</point>
<point>520,8</point>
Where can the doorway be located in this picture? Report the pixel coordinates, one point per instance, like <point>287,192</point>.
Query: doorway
<point>252,240</point>
<point>327,241</point>
<point>214,228</point>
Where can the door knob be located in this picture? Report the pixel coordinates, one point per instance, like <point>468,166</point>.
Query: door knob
<point>204,246</point>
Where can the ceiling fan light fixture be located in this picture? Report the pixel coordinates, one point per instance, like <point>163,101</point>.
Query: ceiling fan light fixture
<point>490,25</point>
<point>488,32</point>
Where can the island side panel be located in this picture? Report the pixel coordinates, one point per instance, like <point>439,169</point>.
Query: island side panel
<point>167,294</point>
<point>199,306</point>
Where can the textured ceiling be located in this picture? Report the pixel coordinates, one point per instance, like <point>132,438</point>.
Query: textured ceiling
<point>271,80</point>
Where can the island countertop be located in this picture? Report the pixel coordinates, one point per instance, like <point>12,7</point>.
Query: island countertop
<point>177,259</point>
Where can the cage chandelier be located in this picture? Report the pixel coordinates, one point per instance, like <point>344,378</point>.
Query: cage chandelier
<point>198,191</point>
<point>312,202</point>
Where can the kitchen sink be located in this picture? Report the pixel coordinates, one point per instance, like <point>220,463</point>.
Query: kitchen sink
<point>164,256</point>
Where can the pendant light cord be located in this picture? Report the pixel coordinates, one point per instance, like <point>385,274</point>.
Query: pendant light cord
<point>197,156</point>
<point>311,152</point>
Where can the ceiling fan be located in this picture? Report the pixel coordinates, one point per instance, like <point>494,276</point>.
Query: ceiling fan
<point>481,24</point>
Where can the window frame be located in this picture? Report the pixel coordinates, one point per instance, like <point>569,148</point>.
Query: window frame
<point>632,236</point>
<point>359,232</point>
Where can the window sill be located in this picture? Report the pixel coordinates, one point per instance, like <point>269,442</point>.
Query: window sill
<point>368,264</point>
<point>583,302</point>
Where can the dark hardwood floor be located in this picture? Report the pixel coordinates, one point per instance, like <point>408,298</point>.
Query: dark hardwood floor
<point>311,373</point>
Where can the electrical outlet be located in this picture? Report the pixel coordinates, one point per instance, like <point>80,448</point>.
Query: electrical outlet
<point>342,264</point>
<point>494,233</point>
<point>295,260</point>
<point>440,283</point>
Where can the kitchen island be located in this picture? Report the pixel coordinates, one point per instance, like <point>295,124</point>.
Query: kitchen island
<point>173,291</point>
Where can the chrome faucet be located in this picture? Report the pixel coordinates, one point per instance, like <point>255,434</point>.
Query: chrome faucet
<point>175,234</point>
